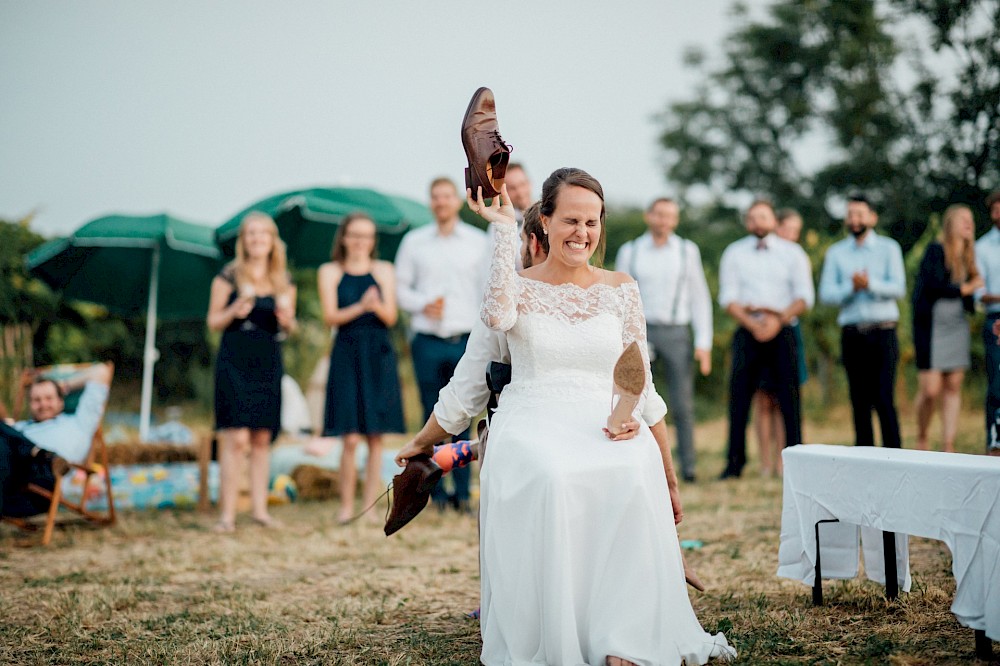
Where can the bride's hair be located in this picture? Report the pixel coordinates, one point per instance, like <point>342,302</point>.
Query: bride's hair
<point>579,178</point>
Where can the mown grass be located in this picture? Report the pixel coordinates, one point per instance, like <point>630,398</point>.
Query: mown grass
<point>160,588</point>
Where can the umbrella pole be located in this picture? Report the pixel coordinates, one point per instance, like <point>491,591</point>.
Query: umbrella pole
<point>149,353</point>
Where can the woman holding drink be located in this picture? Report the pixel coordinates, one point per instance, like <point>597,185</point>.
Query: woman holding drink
<point>253,304</point>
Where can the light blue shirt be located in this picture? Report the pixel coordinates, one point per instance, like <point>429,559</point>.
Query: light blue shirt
<point>771,277</point>
<point>988,263</point>
<point>70,435</point>
<point>882,258</point>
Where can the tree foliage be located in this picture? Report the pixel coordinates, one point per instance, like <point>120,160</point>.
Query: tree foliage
<point>822,97</point>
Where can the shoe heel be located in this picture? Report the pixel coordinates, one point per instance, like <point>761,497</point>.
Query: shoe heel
<point>432,478</point>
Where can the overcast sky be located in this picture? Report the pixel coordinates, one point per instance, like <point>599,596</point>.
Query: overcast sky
<point>199,108</point>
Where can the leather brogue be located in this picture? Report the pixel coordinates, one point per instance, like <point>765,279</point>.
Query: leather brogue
<point>410,491</point>
<point>485,149</point>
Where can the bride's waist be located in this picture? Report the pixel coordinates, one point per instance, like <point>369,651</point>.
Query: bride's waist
<point>567,387</point>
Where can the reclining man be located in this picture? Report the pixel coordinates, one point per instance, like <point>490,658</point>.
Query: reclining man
<point>37,450</point>
<point>467,393</point>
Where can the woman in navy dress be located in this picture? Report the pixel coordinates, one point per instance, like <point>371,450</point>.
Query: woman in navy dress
<point>357,293</point>
<point>253,304</point>
<point>945,282</point>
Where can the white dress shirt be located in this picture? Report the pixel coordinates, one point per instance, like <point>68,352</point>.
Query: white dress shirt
<point>671,282</point>
<point>429,265</point>
<point>771,278</point>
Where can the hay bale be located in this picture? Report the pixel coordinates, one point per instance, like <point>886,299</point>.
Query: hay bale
<point>135,453</point>
<point>316,483</point>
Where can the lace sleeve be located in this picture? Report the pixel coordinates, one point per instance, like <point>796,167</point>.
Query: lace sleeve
<point>634,330</point>
<point>499,310</point>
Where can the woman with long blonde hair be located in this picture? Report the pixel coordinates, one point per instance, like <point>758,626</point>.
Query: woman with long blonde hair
<point>943,293</point>
<point>358,296</point>
<point>253,303</point>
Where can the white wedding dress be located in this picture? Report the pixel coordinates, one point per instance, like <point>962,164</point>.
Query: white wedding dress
<point>579,552</point>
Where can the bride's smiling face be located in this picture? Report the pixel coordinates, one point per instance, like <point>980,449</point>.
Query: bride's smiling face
<point>575,226</point>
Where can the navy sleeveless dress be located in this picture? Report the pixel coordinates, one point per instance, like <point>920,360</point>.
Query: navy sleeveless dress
<point>362,392</point>
<point>248,369</point>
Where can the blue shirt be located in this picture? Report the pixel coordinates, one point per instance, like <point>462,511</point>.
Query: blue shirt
<point>882,258</point>
<point>70,435</point>
<point>988,263</point>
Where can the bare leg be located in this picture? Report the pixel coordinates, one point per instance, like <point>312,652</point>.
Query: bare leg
<point>951,404</point>
<point>373,473</point>
<point>348,476</point>
<point>766,412</point>
<point>260,475</point>
<point>233,444</point>
<point>927,395</point>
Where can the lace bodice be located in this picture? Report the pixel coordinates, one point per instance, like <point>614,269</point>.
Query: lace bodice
<point>563,339</point>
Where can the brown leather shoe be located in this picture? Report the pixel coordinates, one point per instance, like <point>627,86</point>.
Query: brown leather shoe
<point>410,491</point>
<point>485,149</point>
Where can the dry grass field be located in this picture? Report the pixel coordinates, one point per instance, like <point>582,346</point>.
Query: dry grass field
<point>160,588</point>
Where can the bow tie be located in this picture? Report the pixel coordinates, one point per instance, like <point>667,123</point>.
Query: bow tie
<point>761,244</point>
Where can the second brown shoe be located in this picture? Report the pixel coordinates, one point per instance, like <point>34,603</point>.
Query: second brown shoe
<point>485,149</point>
<point>410,491</point>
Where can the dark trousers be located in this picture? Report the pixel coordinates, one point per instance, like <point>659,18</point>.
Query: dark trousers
<point>434,361</point>
<point>870,357</point>
<point>750,360</point>
<point>18,468</point>
<point>992,373</point>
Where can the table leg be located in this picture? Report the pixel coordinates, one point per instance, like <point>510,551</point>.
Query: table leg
<point>818,582</point>
<point>891,577</point>
<point>984,646</point>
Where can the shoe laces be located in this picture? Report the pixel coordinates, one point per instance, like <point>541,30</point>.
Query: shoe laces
<point>500,142</point>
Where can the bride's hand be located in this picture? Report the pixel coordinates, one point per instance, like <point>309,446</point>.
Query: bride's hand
<point>630,430</point>
<point>495,212</point>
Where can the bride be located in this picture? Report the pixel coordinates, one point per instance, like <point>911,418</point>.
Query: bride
<point>579,553</point>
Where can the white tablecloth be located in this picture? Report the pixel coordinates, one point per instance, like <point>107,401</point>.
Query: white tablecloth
<point>951,497</point>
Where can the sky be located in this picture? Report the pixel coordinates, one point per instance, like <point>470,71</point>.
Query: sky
<point>201,108</point>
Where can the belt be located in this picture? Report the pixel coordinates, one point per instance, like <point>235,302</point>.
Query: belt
<point>451,339</point>
<point>871,326</point>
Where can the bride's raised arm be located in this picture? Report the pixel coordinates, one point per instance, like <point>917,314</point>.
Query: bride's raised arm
<point>634,330</point>
<point>499,310</point>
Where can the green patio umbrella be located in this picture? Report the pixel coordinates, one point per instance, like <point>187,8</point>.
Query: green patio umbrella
<point>308,219</point>
<point>158,265</point>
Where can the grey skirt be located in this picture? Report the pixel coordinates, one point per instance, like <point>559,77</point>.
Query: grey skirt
<point>949,335</point>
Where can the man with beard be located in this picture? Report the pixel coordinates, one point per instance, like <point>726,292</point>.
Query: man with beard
<point>864,276</point>
<point>764,283</point>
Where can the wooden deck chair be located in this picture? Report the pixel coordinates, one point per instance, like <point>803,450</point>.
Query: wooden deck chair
<point>98,455</point>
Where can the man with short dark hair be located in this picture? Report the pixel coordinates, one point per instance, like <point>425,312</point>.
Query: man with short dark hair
<point>35,451</point>
<point>440,281</point>
<point>988,263</point>
<point>764,283</point>
<point>864,276</point>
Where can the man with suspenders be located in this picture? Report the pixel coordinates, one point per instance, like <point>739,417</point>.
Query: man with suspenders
<point>677,302</point>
